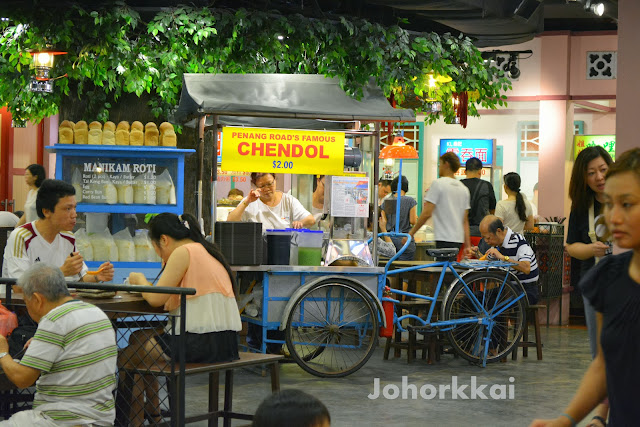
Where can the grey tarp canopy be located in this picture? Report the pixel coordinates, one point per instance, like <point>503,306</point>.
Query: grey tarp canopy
<point>302,96</point>
<point>274,123</point>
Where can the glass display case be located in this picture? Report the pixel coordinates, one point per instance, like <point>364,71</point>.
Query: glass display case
<point>116,186</point>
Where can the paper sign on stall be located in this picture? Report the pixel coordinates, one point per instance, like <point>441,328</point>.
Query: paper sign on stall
<point>350,196</point>
<point>282,151</point>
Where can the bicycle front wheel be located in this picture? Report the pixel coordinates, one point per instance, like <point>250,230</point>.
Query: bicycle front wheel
<point>332,329</point>
<point>493,293</point>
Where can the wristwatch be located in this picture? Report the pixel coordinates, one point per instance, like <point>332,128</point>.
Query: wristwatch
<point>506,258</point>
<point>3,354</point>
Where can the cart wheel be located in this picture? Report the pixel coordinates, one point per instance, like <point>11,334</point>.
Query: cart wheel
<point>468,339</point>
<point>332,329</point>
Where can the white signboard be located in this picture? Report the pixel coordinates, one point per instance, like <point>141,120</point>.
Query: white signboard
<point>350,196</point>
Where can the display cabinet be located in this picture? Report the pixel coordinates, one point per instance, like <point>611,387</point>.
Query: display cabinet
<point>123,180</point>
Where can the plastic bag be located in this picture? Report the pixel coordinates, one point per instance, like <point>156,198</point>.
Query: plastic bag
<point>144,189</point>
<point>109,192</point>
<point>76,182</point>
<point>165,190</point>
<point>124,188</point>
<point>8,321</point>
<point>104,247</point>
<point>143,247</point>
<point>83,244</point>
<point>126,247</point>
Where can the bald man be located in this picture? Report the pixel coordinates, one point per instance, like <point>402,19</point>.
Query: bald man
<point>506,245</point>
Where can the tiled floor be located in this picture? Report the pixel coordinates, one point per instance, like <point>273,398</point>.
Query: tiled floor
<point>540,388</point>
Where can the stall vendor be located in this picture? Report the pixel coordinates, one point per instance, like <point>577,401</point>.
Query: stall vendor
<point>274,209</point>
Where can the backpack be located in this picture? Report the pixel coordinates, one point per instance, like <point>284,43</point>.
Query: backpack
<point>480,202</point>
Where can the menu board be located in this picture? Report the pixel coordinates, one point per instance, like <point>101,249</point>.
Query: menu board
<point>123,180</point>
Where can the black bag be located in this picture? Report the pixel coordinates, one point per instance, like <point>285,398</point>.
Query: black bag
<point>24,332</point>
<point>479,203</point>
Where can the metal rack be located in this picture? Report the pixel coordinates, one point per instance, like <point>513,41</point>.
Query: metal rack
<point>547,241</point>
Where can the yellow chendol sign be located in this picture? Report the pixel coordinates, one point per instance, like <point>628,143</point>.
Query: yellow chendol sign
<point>282,151</point>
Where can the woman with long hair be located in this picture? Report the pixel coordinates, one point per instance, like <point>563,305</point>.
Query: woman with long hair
<point>33,175</point>
<point>515,211</point>
<point>212,318</point>
<point>613,289</point>
<point>587,237</point>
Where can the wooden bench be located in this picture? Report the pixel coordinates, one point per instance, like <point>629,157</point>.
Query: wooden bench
<point>213,369</point>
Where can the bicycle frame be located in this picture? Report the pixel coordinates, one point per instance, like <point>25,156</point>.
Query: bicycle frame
<point>450,266</point>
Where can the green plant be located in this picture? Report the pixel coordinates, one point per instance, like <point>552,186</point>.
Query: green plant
<point>114,51</point>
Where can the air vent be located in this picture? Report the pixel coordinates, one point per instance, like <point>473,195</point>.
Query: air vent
<point>602,65</point>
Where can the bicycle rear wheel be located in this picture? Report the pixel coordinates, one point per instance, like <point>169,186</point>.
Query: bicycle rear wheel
<point>468,339</point>
<point>332,329</point>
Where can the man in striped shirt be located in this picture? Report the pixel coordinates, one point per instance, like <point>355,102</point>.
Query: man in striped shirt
<point>72,356</point>
<point>506,245</point>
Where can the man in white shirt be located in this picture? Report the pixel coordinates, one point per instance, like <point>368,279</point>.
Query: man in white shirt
<point>49,238</point>
<point>448,202</point>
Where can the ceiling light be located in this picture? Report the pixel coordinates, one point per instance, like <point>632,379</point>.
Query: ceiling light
<point>511,67</point>
<point>596,7</point>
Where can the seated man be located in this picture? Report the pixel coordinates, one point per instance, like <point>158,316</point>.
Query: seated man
<point>72,356</point>
<point>505,245</point>
<point>49,239</point>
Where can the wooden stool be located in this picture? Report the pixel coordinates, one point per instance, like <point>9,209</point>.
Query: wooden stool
<point>531,318</point>
<point>412,344</point>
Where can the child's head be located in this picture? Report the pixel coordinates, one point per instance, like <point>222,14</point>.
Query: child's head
<point>291,408</point>
<point>622,199</point>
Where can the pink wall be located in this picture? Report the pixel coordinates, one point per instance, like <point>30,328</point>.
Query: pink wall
<point>580,45</point>
<point>628,72</point>
<point>554,65</point>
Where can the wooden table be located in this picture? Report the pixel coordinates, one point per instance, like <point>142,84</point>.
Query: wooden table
<point>123,301</point>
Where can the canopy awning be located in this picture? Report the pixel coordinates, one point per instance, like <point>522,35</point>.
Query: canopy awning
<point>294,96</point>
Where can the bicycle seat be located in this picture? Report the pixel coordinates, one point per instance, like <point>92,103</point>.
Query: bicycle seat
<point>446,253</point>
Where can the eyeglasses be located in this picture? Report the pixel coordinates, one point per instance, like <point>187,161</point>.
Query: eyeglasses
<point>270,184</point>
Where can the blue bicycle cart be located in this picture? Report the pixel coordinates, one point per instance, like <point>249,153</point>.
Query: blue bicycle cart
<point>331,316</point>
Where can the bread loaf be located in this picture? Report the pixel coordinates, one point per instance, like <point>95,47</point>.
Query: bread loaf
<point>123,126</point>
<point>165,126</point>
<point>137,126</point>
<point>67,124</point>
<point>150,125</point>
<point>95,137</point>
<point>80,136</point>
<point>108,137</point>
<point>80,125</point>
<point>65,135</point>
<point>110,126</point>
<point>95,125</point>
<point>136,137</point>
<point>122,136</point>
<point>169,139</point>
<point>151,137</point>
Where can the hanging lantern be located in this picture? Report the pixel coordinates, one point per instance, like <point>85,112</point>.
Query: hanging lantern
<point>433,81</point>
<point>42,62</point>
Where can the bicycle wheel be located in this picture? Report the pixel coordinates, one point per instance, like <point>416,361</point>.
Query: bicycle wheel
<point>332,329</point>
<point>468,339</point>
